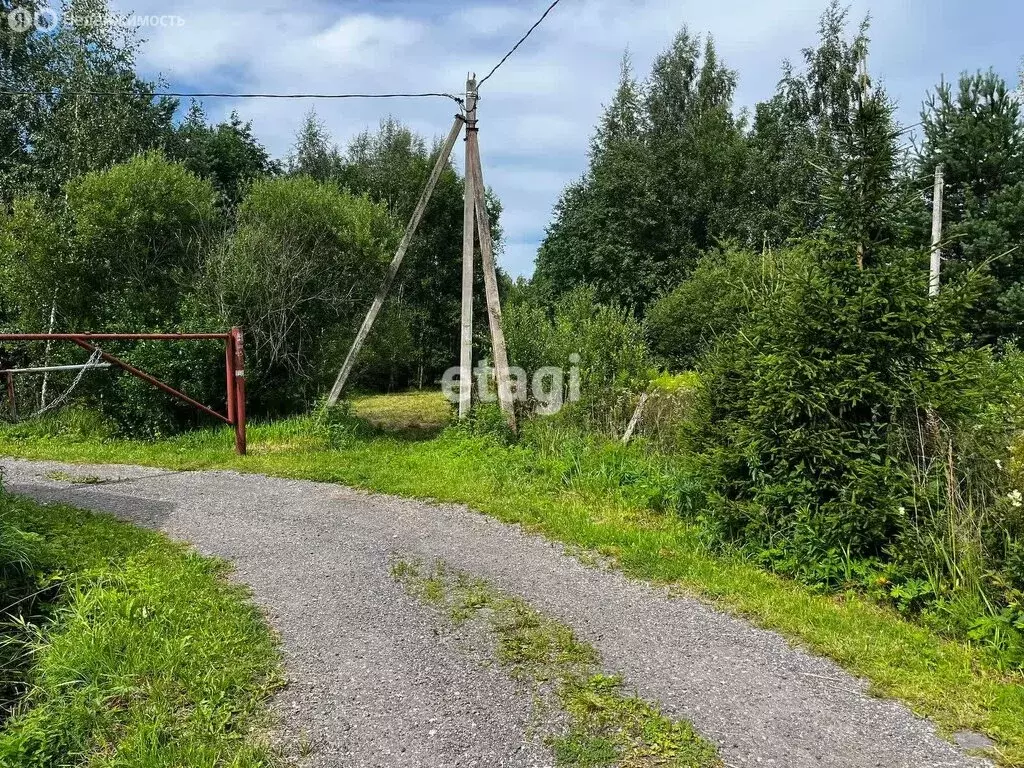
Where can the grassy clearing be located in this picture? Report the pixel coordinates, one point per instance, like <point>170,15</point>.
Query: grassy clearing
<point>582,494</point>
<point>145,657</point>
<point>408,412</point>
<point>606,725</point>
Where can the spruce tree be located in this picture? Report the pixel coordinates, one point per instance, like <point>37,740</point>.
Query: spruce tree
<point>602,233</point>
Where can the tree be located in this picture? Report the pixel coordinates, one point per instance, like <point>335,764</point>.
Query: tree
<point>603,225</point>
<point>63,130</point>
<point>227,154</point>
<point>976,132</point>
<point>21,65</point>
<point>391,166</point>
<point>661,187</point>
<point>818,402</point>
<point>696,152</point>
<point>314,154</point>
<point>297,271</point>
<point>804,128</point>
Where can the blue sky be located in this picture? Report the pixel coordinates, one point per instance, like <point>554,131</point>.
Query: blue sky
<point>538,112</point>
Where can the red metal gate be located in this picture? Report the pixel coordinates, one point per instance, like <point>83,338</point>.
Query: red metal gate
<point>234,356</point>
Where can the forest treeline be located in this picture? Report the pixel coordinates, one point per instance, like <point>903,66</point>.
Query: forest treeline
<point>762,277</point>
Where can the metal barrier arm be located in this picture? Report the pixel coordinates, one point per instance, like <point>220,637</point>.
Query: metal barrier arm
<point>234,363</point>
<point>117,362</point>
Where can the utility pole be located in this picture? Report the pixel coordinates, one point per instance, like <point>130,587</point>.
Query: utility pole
<point>476,223</point>
<point>468,227</point>
<point>504,378</point>
<point>936,265</point>
<point>396,262</point>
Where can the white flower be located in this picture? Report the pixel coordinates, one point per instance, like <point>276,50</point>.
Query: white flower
<point>902,510</point>
<point>999,464</point>
<point>1016,498</point>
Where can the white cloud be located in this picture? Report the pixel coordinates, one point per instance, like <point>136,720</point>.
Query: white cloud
<point>537,113</point>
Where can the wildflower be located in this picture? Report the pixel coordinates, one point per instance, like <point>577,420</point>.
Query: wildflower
<point>999,464</point>
<point>902,510</point>
<point>1016,498</point>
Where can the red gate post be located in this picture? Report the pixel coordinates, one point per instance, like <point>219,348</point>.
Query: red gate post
<point>239,390</point>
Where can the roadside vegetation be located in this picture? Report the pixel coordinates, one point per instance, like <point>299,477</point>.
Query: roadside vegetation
<point>121,648</point>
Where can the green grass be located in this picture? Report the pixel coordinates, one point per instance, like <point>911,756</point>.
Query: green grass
<point>606,725</point>
<point>147,657</point>
<point>583,495</point>
<point>408,412</point>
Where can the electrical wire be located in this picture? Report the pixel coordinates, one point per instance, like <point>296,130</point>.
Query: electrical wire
<point>521,41</point>
<point>215,95</point>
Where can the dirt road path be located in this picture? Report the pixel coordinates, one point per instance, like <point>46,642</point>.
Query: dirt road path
<point>373,684</point>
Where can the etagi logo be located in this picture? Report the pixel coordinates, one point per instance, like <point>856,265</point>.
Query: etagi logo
<point>547,387</point>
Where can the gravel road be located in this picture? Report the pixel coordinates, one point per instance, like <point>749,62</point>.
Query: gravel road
<point>373,684</point>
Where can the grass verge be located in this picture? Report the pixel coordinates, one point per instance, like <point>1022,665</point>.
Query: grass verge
<point>577,495</point>
<point>606,725</point>
<point>145,656</point>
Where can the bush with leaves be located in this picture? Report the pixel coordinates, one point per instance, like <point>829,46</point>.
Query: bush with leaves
<point>120,253</point>
<point>604,344</point>
<point>711,304</point>
<point>296,273</point>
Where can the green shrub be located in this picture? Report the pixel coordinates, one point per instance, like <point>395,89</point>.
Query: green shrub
<point>712,303</point>
<point>602,344</point>
<point>296,274</point>
<point>121,255</point>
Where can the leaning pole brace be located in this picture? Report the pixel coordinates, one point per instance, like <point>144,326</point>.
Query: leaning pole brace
<point>474,168</point>
<point>396,262</point>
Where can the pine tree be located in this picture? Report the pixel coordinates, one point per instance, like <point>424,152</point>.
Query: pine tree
<point>976,132</point>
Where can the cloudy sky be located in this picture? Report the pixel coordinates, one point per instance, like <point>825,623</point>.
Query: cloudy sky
<point>537,113</point>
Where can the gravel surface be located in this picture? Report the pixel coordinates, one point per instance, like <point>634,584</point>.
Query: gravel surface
<point>372,683</point>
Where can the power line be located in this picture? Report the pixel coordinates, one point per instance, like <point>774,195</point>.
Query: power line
<point>212,95</point>
<point>521,41</point>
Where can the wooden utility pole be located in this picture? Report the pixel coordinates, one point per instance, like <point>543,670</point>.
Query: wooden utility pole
<point>475,167</point>
<point>396,262</point>
<point>476,222</point>
<point>468,227</point>
<point>937,195</point>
